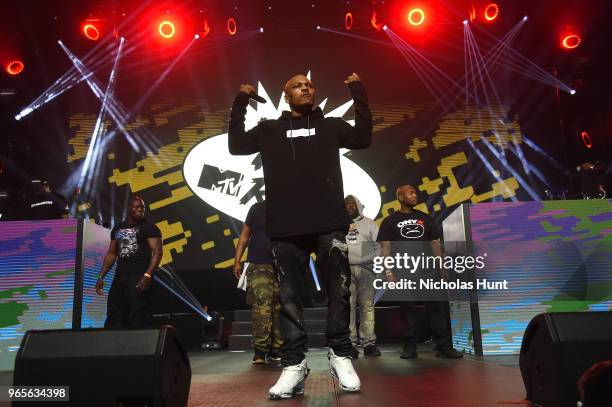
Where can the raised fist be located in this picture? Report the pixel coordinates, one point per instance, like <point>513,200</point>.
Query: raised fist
<point>246,88</point>
<point>352,78</point>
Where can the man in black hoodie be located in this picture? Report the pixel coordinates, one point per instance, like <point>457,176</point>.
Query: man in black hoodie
<point>300,152</point>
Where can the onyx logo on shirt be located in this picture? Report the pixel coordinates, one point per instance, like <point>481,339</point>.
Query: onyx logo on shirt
<point>411,228</point>
<point>128,242</point>
<point>351,236</point>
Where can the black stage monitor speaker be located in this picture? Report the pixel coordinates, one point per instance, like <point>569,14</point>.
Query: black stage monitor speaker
<point>140,367</point>
<point>557,348</point>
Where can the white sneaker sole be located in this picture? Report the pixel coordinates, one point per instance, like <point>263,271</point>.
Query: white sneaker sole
<point>297,391</point>
<point>343,387</point>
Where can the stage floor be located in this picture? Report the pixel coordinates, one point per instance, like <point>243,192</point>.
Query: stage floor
<point>225,378</point>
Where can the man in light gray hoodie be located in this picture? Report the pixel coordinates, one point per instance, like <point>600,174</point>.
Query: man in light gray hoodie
<point>362,248</point>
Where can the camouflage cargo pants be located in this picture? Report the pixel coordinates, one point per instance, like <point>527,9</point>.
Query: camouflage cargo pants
<point>262,296</point>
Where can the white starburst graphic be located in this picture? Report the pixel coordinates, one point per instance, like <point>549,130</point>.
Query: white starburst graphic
<point>231,184</point>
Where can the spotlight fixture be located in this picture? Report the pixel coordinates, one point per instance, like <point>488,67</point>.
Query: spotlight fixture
<point>490,13</point>
<point>348,21</point>
<point>91,31</point>
<point>374,21</point>
<point>586,139</point>
<point>416,17</point>
<point>166,29</point>
<point>15,67</point>
<point>472,14</point>
<point>571,41</point>
<point>205,29</point>
<point>232,28</point>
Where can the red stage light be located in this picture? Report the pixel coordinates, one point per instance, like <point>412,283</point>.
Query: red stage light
<point>472,14</point>
<point>491,11</point>
<point>348,21</point>
<point>91,32</point>
<point>586,139</point>
<point>232,28</point>
<point>416,16</point>
<point>15,67</point>
<point>374,21</point>
<point>205,29</point>
<point>166,29</point>
<point>571,41</point>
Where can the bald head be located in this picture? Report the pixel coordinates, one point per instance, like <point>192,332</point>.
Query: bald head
<point>407,195</point>
<point>297,78</point>
<point>299,93</point>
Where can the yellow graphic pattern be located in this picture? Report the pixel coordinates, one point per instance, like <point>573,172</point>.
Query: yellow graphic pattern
<point>413,152</point>
<point>84,125</point>
<point>388,115</point>
<point>165,167</point>
<point>456,194</point>
<point>471,122</point>
<point>170,231</point>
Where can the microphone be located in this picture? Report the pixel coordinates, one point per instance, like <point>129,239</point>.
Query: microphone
<point>256,97</point>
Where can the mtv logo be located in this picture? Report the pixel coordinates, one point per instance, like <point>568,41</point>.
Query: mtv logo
<point>223,181</point>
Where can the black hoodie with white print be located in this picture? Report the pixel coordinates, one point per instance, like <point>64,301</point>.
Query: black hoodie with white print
<point>301,163</point>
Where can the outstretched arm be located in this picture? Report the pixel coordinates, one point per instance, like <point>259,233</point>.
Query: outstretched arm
<point>242,142</point>
<point>358,136</point>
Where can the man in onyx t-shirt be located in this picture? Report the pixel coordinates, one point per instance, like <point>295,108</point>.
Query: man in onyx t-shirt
<point>411,225</point>
<point>136,244</point>
<point>262,285</point>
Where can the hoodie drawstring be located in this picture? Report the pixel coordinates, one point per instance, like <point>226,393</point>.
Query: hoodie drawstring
<point>291,133</point>
<point>291,137</point>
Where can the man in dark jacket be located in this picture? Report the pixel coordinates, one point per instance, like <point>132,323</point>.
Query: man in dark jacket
<point>300,152</point>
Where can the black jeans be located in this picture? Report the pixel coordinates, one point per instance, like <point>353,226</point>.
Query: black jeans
<point>291,257</point>
<point>127,307</point>
<point>438,316</point>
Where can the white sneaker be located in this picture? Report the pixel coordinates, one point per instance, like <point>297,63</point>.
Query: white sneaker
<point>341,368</point>
<point>291,382</point>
